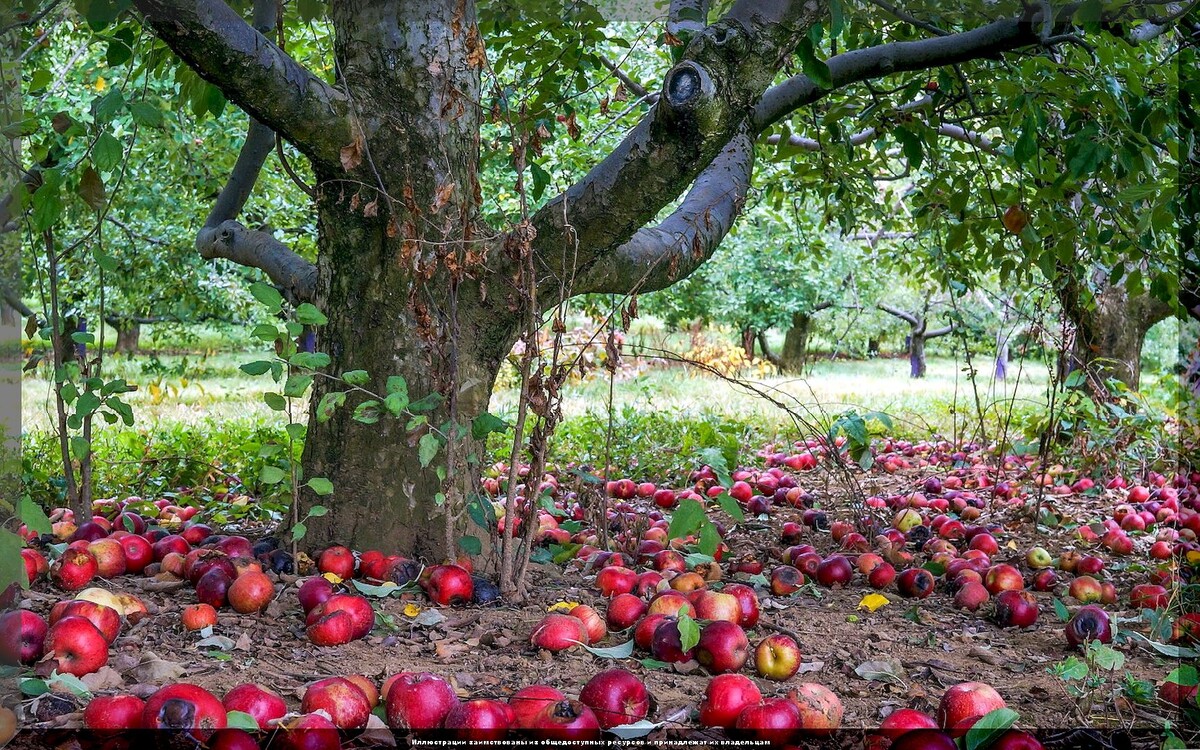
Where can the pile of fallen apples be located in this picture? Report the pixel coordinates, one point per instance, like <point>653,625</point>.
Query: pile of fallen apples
<point>674,604</point>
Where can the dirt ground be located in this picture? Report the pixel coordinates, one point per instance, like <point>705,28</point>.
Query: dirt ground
<point>485,651</point>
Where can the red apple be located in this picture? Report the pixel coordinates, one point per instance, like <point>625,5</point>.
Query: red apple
<point>1015,609</point>
<point>593,623</point>
<point>967,700</point>
<point>716,605</point>
<point>785,580</point>
<point>259,702</point>
<point>614,580</point>
<point>251,592</point>
<point>110,557</point>
<point>307,732</point>
<point>667,643</point>
<point>74,570</point>
<point>1090,623</point>
<point>723,647</point>
<point>617,697</point>
<point>971,595</point>
<point>109,715</point>
<point>1045,580</point>
<point>881,575</point>
<point>198,616</point>
<point>213,587</point>
<point>725,698</point>
<point>184,706</point>
<point>1003,578</point>
<point>925,739</point>
<point>747,603</point>
<point>331,628</point>
<point>558,632</point>
<point>170,543</point>
<point>904,720</point>
<point>138,552</point>
<point>79,647</point>
<point>671,603</point>
<point>106,619</point>
<point>338,560</point>
<point>528,702</point>
<point>1015,739</point>
<point>643,634</point>
<point>314,591</point>
<point>777,657</point>
<point>22,637</point>
<point>775,720</point>
<point>344,701</point>
<point>362,614</point>
<point>449,584</point>
<point>1148,596</point>
<point>419,702</point>
<point>479,720</point>
<point>834,570</point>
<point>915,583</point>
<point>624,611</point>
<point>1085,589</point>
<point>820,709</point>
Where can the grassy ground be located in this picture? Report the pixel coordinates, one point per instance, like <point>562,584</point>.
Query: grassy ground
<point>175,389</point>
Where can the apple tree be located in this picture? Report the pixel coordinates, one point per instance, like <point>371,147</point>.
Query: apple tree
<point>395,105</point>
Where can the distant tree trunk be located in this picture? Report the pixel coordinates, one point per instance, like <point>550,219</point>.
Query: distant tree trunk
<point>9,316</point>
<point>765,348</point>
<point>129,333</point>
<point>748,341</point>
<point>1109,336</point>
<point>916,356</point>
<point>795,344</point>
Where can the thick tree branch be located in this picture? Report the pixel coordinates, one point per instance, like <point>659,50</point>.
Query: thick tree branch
<point>657,257</point>
<point>896,57</point>
<point>13,300</point>
<point>705,99</point>
<point>254,73</point>
<point>937,333</point>
<point>907,317</point>
<point>232,241</point>
<point>948,130</point>
<point>260,139</point>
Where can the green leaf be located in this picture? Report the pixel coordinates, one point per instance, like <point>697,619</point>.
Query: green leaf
<point>308,314</point>
<point>145,113</point>
<point>310,10</point>
<point>32,515</point>
<point>275,401</point>
<point>299,531</point>
<point>1026,146</point>
<point>329,404</point>
<point>271,475</point>
<point>367,412</point>
<point>107,152</point>
<point>1105,657</point>
<point>1185,676</point>
<point>261,367</point>
<point>1061,610</point>
<point>471,545</point>
<point>622,651</point>
<point>70,682</point>
<point>686,519</point>
<point>296,385</point>
<point>710,538</point>
<point>356,377</point>
<point>989,727</point>
<point>33,687</point>
<point>12,568</point>
<point>80,447</point>
<point>106,107</point>
<point>397,384</point>
<point>1071,668</point>
<point>309,360</point>
<point>241,720</point>
<point>395,403</point>
<point>655,664</point>
<point>265,331</point>
<point>318,511</point>
<point>689,632</point>
<point>429,403</point>
<point>485,424</point>
<point>731,506</point>
<point>320,485</point>
<point>815,69</point>
<point>268,295</point>
<point>427,448</point>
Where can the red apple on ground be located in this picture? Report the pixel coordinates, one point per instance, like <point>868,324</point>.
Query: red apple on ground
<point>716,605</point>
<point>747,603</point>
<point>593,623</point>
<point>967,700</point>
<point>1015,739</point>
<point>479,720</point>
<point>624,611</point>
<point>667,643</point>
<point>449,584</point>
<point>925,739</point>
<point>881,576</point>
<point>314,591</point>
<point>725,698</point>
<point>1015,609</point>
<point>1003,578</point>
<point>22,637</point>
<point>419,702</point>
<point>251,592</point>
<point>198,616</point>
<point>617,697</point>
<point>307,732</point>
<point>834,571</point>
<point>74,570</point>
<point>1045,580</point>
<point>1148,596</point>
<point>359,609</point>
<point>106,619</point>
<point>777,657</point>
<point>338,560</point>
<point>344,701</point>
<point>775,720</point>
<point>184,706</point>
<point>558,632</point>
<point>332,628</point>
<point>723,647</point>
<point>263,704</point>
<point>614,580</point>
<point>905,720</point>
<point>915,583</point>
<point>528,702</point>
<point>110,557</point>
<point>79,647</point>
<point>671,603</point>
<point>971,596</point>
<point>109,715</point>
<point>1085,589</point>
<point>1089,623</point>
<point>820,709</point>
<point>566,721</point>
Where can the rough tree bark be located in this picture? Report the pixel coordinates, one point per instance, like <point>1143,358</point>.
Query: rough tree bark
<point>1109,335</point>
<point>918,335</point>
<point>794,357</point>
<point>128,337</point>
<point>413,282</point>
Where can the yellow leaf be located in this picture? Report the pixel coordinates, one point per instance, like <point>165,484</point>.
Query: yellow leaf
<point>333,578</point>
<point>411,610</point>
<point>101,84</point>
<point>872,602</point>
<point>1012,544</point>
<point>562,606</point>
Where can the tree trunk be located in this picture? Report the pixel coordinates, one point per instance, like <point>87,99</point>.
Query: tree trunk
<point>916,355</point>
<point>395,272</point>
<point>1109,337</point>
<point>795,344</point>
<point>128,335</point>
<point>748,342</point>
